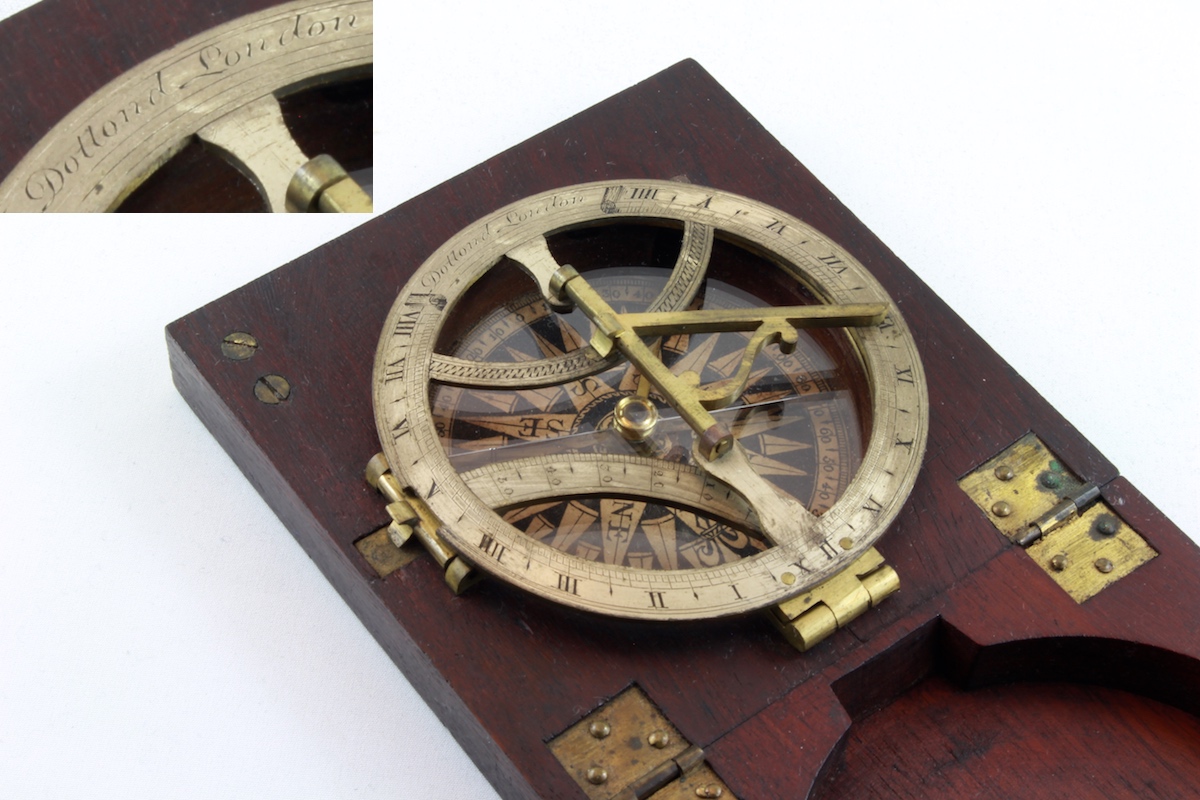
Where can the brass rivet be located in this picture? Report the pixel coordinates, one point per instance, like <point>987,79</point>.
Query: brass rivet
<point>1106,526</point>
<point>1104,565</point>
<point>1002,509</point>
<point>239,346</point>
<point>1050,480</point>
<point>272,389</point>
<point>846,543</point>
<point>597,775</point>
<point>1059,562</point>
<point>711,790</point>
<point>787,578</point>
<point>1004,472</point>
<point>599,729</point>
<point>659,739</point>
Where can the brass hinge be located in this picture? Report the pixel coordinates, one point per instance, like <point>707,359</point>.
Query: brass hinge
<point>411,518</point>
<point>628,750</point>
<point>812,616</point>
<point>1036,501</point>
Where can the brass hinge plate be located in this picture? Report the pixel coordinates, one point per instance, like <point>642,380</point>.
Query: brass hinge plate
<point>810,617</point>
<point>628,750</point>
<point>1036,501</point>
<point>382,553</point>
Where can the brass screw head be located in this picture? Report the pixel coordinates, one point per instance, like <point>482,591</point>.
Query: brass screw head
<point>710,790</point>
<point>1104,565</point>
<point>1002,508</point>
<point>1059,562</point>
<point>1050,480</point>
<point>272,389</point>
<point>659,739</point>
<point>599,729</point>
<point>597,775</point>
<point>846,543</point>
<point>1004,472</point>
<point>238,346</point>
<point>788,578</point>
<point>1106,526</point>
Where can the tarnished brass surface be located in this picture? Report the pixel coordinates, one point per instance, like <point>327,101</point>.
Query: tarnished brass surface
<point>807,619</point>
<point>101,151</point>
<point>627,750</point>
<point>1035,500</point>
<point>1091,559</point>
<point>799,548</point>
<point>382,553</point>
<point>1039,482</point>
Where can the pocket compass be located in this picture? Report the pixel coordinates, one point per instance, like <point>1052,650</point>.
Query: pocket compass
<point>651,413</point>
<point>650,400</point>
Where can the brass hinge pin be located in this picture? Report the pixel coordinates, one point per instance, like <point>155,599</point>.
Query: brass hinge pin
<point>1064,511</point>
<point>410,516</point>
<point>645,786</point>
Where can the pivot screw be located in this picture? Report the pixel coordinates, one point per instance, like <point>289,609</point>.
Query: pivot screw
<point>272,389</point>
<point>238,346</point>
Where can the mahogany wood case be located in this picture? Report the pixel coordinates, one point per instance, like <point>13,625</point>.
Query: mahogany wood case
<point>981,677</point>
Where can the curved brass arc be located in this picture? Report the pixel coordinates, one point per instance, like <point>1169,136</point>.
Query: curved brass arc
<point>687,277</point>
<point>685,489</point>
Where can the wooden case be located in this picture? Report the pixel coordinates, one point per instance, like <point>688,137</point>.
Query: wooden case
<point>981,677</point>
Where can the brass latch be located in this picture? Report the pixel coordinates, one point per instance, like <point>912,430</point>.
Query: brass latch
<point>410,518</point>
<point>812,616</point>
<point>628,750</point>
<point>1036,501</point>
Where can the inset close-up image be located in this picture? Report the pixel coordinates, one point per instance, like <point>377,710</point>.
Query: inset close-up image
<point>197,106</point>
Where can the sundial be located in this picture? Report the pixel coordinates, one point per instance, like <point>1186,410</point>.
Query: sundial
<point>514,336</point>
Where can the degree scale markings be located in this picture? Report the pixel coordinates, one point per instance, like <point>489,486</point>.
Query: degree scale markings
<point>623,591</point>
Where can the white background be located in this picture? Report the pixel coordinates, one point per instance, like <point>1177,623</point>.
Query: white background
<point>161,635</point>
